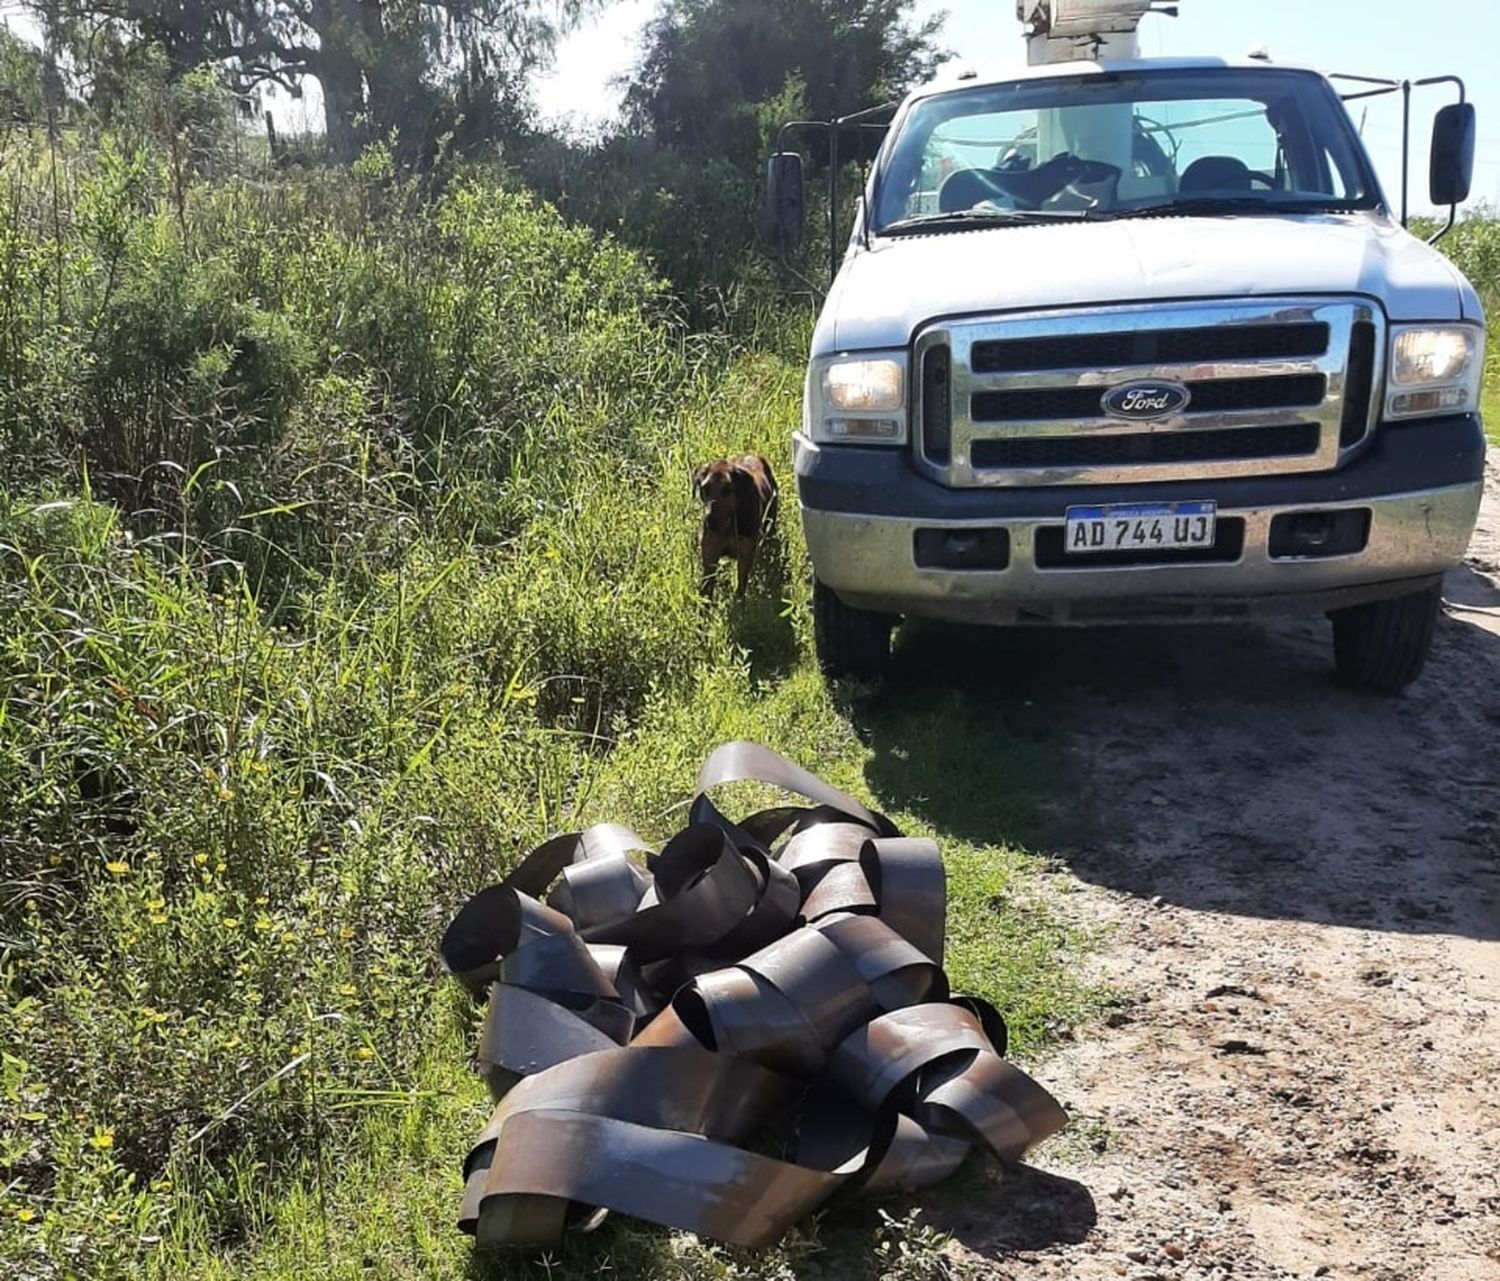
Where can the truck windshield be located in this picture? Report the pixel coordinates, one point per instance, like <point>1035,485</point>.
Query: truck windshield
<point>1123,144</point>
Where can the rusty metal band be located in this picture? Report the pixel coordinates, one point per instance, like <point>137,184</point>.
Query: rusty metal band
<point>652,1018</point>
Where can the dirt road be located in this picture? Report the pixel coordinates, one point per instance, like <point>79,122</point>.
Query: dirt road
<point>1303,1075</point>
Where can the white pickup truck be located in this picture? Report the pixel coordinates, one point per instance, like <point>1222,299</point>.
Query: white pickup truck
<point>1126,340</point>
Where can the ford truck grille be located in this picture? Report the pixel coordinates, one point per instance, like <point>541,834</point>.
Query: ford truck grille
<point>1276,385</point>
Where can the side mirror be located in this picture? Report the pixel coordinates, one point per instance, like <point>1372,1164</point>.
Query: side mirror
<point>1452,171</point>
<point>784,201</point>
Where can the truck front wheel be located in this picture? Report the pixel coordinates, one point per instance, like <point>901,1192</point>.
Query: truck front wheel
<point>1381,647</point>
<point>850,642</point>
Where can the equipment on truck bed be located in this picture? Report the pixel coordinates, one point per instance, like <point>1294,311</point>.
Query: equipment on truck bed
<point>1073,30</point>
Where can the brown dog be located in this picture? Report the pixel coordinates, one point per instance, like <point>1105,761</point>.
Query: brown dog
<point>739,505</point>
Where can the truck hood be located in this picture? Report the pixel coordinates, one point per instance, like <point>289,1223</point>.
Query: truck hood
<point>884,294</point>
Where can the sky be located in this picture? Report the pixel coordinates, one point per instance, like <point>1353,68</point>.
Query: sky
<point>1390,38</point>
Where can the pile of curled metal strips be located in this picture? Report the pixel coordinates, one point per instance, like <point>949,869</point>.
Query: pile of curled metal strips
<point>657,1023</point>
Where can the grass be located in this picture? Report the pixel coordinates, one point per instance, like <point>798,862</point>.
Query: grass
<point>346,551</point>
<point>1474,245</point>
<point>1489,401</point>
<point>250,1067</point>
<point>385,1207</point>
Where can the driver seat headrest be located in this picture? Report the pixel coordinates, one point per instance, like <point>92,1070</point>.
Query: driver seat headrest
<point>1215,173</point>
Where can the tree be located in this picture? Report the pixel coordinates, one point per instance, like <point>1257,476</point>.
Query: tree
<point>708,64</point>
<point>22,74</point>
<point>381,64</point>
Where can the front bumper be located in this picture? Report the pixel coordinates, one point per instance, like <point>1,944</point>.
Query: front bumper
<point>862,508</point>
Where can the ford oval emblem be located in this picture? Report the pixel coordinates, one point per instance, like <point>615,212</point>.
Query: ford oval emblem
<point>1142,400</point>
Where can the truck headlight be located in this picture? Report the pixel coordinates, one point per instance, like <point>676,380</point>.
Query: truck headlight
<point>1434,370</point>
<point>857,400</point>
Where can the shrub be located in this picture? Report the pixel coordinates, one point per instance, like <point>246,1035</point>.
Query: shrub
<point>342,526</point>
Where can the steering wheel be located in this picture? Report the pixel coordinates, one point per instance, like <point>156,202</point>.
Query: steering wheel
<point>1025,188</point>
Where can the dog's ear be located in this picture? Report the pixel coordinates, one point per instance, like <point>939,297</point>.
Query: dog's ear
<point>699,477</point>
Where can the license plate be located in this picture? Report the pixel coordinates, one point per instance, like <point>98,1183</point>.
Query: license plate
<point>1139,527</point>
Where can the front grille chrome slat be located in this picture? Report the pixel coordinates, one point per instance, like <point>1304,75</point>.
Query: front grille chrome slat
<point>1219,395</point>
<point>1278,385</point>
<point>1295,440</point>
<point>1151,346</point>
<point>1102,377</point>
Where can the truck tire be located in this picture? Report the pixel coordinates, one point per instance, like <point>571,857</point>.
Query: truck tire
<point>1381,648</point>
<point>850,642</point>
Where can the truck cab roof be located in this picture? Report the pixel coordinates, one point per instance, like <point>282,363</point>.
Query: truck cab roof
<point>966,76</point>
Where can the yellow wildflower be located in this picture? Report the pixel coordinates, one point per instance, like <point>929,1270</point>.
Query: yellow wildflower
<point>200,859</point>
<point>348,989</point>
<point>156,904</point>
<point>26,1216</point>
<point>231,922</point>
<point>263,924</point>
<point>258,767</point>
<point>54,859</point>
<point>103,1140</point>
<point>320,932</point>
<point>226,794</point>
<point>364,1052</point>
<point>158,919</point>
<point>288,936</point>
<point>117,868</point>
<point>221,866</point>
<point>261,901</point>
<point>346,933</point>
<point>31,905</point>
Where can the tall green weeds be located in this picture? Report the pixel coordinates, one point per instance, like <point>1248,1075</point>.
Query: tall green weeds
<point>1474,245</point>
<point>344,524</point>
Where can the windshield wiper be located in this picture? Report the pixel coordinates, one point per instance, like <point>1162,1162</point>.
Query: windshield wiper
<point>967,219</point>
<point>1231,205</point>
